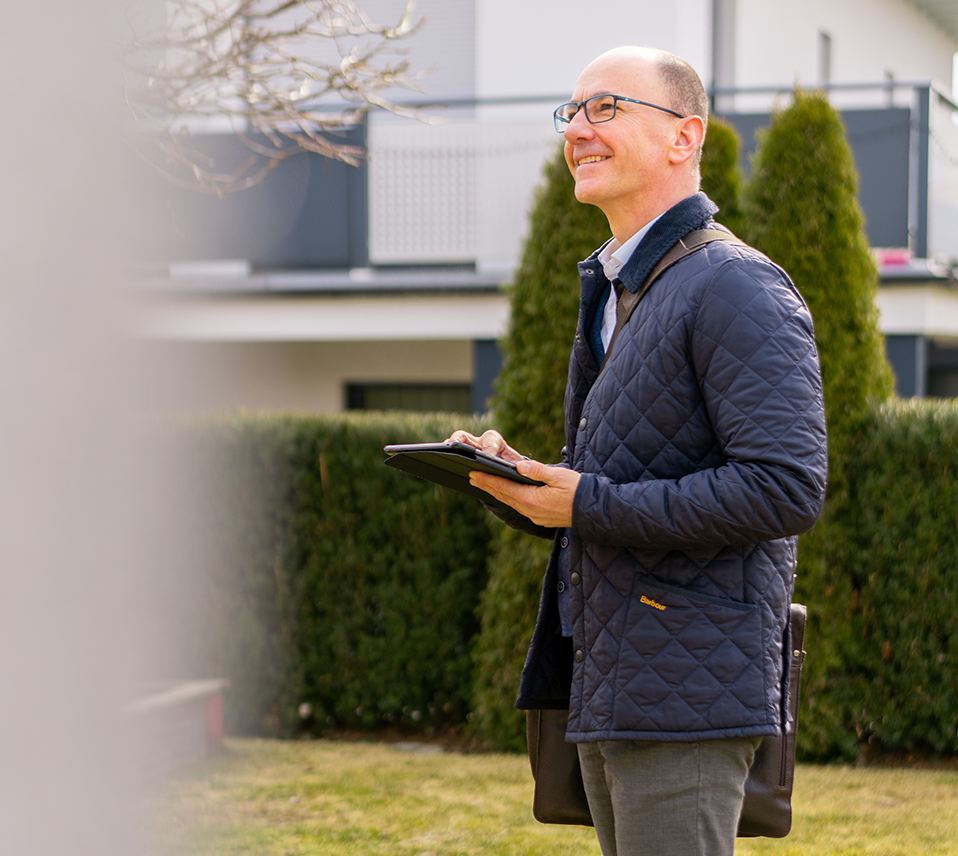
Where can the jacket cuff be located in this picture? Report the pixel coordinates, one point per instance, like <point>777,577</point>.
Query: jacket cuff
<point>584,496</point>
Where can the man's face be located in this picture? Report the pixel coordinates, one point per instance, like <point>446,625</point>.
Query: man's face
<point>620,164</point>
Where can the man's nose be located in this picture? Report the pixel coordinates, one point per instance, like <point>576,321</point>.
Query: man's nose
<point>579,128</point>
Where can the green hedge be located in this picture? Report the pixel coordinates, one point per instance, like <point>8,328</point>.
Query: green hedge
<point>882,670</point>
<point>902,562</point>
<point>323,577</point>
<point>334,581</point>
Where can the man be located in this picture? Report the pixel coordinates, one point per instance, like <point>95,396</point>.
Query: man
<point>694,457</point>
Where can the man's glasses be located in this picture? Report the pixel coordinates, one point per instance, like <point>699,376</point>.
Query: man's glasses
<point>598,108</point>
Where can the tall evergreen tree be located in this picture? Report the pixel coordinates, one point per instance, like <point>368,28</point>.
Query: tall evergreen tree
<point>801,210</point>
<point>721,175</point>
<point>528,411</point>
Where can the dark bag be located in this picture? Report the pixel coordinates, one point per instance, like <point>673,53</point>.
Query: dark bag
<point>767,810</point>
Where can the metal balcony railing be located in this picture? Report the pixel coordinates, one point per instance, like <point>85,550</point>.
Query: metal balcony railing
<point>459,191</point>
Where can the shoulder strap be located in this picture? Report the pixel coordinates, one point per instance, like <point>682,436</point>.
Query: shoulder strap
<point>683,247</point>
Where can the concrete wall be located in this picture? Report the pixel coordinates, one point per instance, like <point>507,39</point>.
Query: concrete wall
<point>777,42</point>
<point>540,48</point>
<point>306,377</point>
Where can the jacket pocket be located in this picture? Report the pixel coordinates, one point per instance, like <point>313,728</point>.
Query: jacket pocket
<point>690,662</point>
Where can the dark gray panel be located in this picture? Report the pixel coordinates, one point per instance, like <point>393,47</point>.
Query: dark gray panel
<point>942,356</point>
<point>487,363</point>
<point>880,141</point>
<point>907,356</point>
<point>308,212</point>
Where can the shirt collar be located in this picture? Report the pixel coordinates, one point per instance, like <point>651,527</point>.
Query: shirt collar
<point>693,212</point>
<point>614,255</point>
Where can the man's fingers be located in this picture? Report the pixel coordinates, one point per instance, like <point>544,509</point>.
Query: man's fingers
<point>461,436</point>
<point>501,488</point>
<point>536,470</point>
<point>492,443</point>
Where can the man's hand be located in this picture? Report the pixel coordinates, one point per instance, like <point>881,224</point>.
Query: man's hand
<point>549,505</point>
<point>490,442</point>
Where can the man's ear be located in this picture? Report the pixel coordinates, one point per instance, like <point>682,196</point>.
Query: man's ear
<point>688,136</point>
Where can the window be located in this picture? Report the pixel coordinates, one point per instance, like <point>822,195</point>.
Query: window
<point>419,397</point>
<point>824,58</point>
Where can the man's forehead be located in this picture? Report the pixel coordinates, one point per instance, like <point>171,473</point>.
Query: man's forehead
<point>618,75</point>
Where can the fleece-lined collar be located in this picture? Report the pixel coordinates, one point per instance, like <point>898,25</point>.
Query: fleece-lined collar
<point>693,212</point>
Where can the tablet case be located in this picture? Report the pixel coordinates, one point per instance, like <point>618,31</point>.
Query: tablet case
<point>449,465</point>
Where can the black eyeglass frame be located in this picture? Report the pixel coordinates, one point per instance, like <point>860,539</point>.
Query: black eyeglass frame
<point>561,122</point>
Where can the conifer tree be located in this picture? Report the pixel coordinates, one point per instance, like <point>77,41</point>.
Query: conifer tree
<point>528,411</point>
<point>721,175</point>
<point>801,210</point>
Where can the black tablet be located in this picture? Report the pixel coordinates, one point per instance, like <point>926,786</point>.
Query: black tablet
<point>449,465</point>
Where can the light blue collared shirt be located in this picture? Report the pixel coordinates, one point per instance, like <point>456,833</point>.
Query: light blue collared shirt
<point>613,257</point>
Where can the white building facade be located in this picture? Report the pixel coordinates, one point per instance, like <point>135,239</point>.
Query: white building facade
<point>410,314</point>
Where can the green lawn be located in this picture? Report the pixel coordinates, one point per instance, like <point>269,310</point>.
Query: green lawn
<point>335,798</point>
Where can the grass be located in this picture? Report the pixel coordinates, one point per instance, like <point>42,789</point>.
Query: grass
<point>337,798</point>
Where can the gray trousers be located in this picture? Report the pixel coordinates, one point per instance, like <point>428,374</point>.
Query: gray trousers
<point>666,799</point>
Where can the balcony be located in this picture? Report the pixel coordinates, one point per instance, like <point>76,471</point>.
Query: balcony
<point>441,208</point>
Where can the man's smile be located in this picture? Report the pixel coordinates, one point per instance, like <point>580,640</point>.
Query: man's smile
<point>591,159</point>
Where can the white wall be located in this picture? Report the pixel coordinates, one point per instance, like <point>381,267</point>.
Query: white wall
<point>302,377</point>
<point>913,308</point>
<point>441,50</point>
<point>298,352</point>
<point>539,48</point>
<point>777,42</point>
<point>493,48</point>
<point>325,318</point>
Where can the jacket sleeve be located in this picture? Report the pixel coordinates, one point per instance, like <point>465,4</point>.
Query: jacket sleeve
<point>751,348</point>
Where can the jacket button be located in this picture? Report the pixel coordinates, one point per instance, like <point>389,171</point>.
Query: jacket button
<point>578,337</point>
<point>575,579</point>
<point>560,587</point>
<point>564,542</point>
<point>582,423</point>
<point>579,656</point>
<point>589,271</point>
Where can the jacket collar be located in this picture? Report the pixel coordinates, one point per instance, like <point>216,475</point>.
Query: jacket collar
<point>691,213</point>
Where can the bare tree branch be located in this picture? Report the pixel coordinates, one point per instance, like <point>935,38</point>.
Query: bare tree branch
<point>286,76</point>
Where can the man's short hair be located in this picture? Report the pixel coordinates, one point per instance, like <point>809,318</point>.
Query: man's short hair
<point>684,88</point>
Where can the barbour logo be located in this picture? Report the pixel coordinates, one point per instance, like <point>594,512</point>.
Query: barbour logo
<point>650,602</point>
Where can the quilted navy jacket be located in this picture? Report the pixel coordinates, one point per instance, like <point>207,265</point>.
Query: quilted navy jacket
<point>703,454</point>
